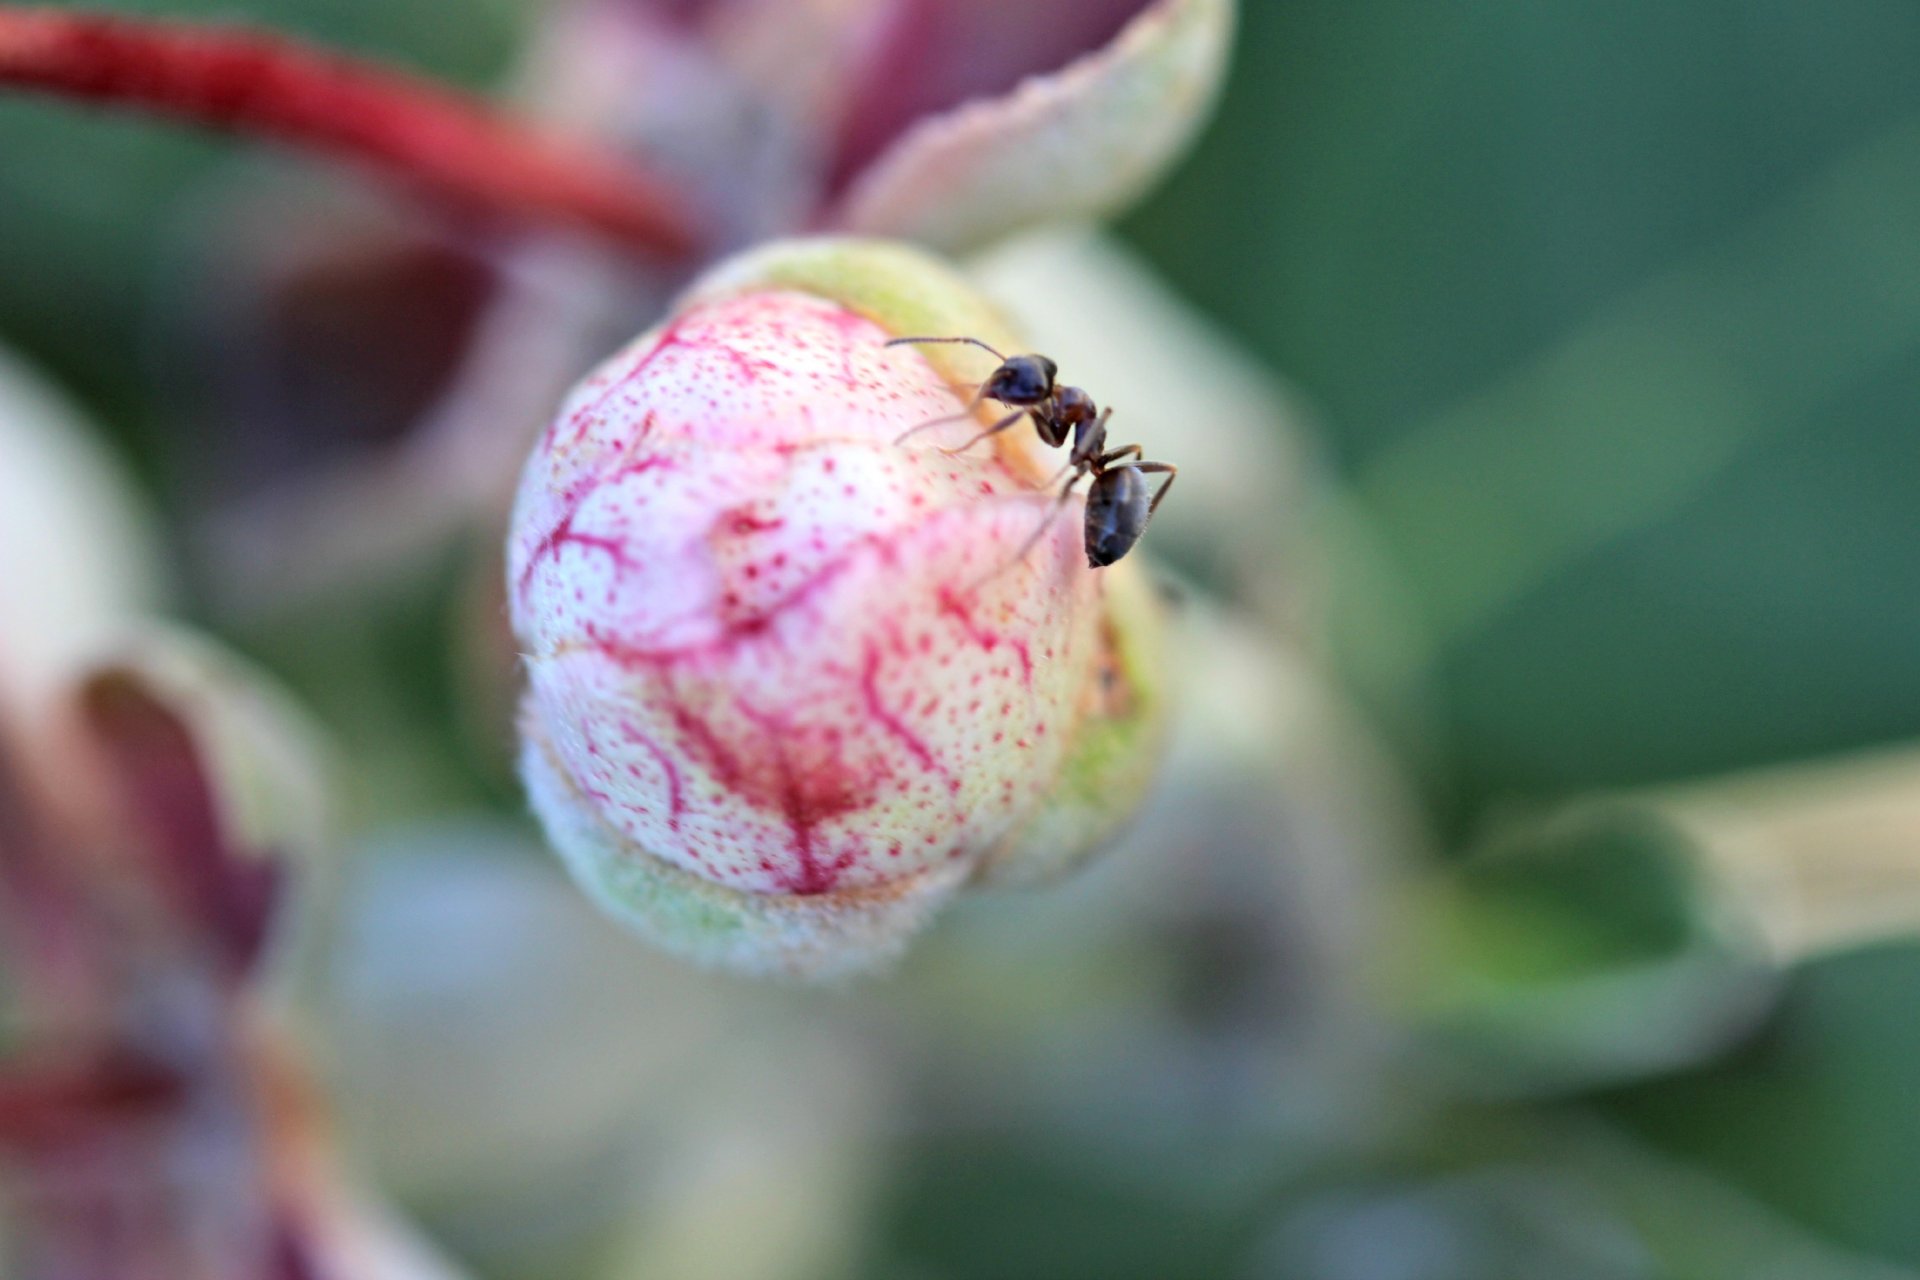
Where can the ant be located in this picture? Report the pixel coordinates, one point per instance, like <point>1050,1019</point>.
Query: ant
<point>1118,505</point>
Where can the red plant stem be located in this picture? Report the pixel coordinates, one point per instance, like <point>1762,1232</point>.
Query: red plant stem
<point>264,85</point>
<point>64,1095</point>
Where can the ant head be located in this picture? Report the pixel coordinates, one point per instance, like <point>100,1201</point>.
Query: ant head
<point>1022,380</point>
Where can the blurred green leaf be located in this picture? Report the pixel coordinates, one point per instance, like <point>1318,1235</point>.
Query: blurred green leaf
<point>994,1209</point>
<point>1579,950</point>
<point>1820,1119</point>
<point>1615,313</point>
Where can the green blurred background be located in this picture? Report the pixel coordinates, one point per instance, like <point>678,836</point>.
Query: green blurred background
<point>1612,309</point>
<point>1611,316</point>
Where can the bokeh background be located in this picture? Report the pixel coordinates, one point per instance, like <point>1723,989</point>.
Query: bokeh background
<point>1602,325</point>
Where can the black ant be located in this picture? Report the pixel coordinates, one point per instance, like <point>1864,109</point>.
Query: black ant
<point>1118,506</point>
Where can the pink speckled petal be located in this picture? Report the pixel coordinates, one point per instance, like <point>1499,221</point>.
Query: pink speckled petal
<point>1078,142</point>
<point>821,936</point>
<point>796,753</point>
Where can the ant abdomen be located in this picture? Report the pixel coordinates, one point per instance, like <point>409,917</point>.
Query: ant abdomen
<point>1118,504</point>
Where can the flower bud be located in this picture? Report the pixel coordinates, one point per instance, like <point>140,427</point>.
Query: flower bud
<point>792,681</point>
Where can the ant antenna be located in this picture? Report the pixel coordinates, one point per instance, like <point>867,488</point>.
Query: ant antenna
<point>968,412</point>
<point>901,342</point>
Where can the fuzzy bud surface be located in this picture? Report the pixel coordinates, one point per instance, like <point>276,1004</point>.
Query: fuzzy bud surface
<point>791,682</point>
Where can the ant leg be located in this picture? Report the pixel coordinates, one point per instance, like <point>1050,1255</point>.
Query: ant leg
<point>1170,470</point>
<point>1112,456</point>
<point>978,400</point>
<point>901,342</point>
<point>994,430</point>
<point>1053,513</point>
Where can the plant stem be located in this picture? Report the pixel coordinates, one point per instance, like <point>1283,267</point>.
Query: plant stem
<point>431,137</point>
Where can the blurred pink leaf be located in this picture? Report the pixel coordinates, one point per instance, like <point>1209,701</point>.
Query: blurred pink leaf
<point>1078,141</point>
<point>154,1121</point>
<point>931,56</point>
<point>222,894</point>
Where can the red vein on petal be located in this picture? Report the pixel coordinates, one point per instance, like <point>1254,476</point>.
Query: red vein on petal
<point>888,720</point>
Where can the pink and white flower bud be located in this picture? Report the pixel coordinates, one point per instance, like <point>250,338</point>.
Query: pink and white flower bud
<point>791,683</point>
